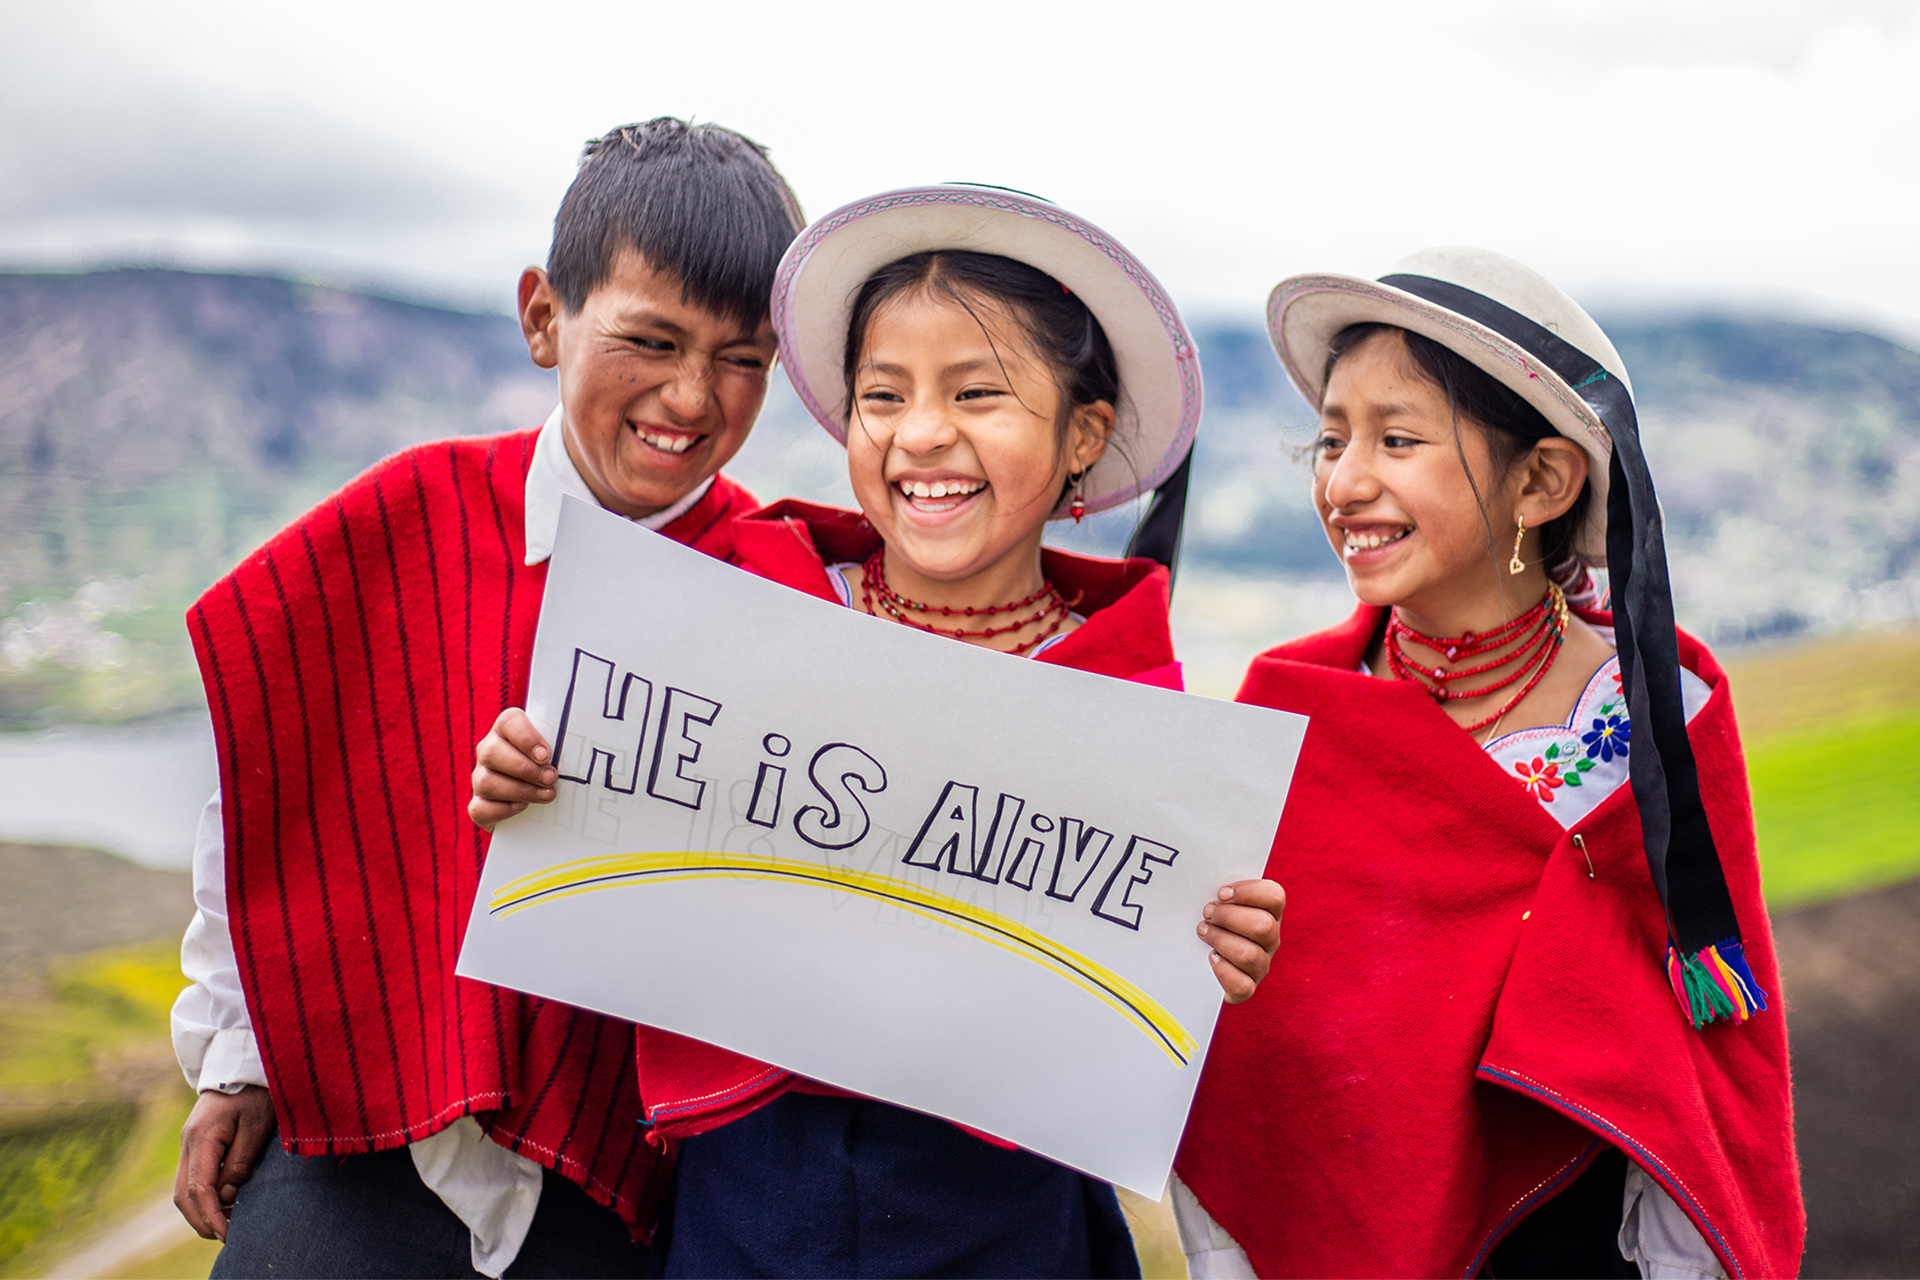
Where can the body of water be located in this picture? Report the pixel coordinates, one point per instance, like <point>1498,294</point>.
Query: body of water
<point>136,792</point>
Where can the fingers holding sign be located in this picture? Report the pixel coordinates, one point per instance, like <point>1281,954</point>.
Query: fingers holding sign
<point>511,770</point>
<point>1243,928</point>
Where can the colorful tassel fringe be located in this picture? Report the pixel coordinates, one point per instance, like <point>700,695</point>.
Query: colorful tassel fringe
<point>1715,982</point>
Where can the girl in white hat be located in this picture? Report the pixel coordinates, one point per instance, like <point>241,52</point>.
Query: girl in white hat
<point>1516,1031</point>
<point>991,363</point>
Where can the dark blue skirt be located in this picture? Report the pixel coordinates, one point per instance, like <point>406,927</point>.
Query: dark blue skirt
<point>817,1186</point>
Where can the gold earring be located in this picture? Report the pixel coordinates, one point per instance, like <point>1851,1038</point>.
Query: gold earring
<point>1517,565</point>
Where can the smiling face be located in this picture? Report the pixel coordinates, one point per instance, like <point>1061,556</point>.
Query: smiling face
<point>1396,502</point>
<point>955,446</point>
<point>659,393</point>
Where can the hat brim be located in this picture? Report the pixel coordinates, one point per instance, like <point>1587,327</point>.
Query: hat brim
<point>1305,313</point>
<point>1160,393</point>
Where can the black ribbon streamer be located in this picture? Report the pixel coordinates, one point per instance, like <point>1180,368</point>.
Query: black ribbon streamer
<point>1157,536</point>
<point>1666,780</point>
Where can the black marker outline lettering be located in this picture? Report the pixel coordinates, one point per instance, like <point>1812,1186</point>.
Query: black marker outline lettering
<point>761,811</point>
<point>1079,836</point>
<point>1144,874</point>
<point>999,841</point>
<point>838,820</point>
<point>613,711</point>
<point>1027,858</point>
<point>669,703</point>
<point>963,821</point>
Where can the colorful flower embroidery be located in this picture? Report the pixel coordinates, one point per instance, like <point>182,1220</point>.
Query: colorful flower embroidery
<point>1539,777</point>
<point>1587,762</point>
<point>1567,751</point>
<point>1610,738</point>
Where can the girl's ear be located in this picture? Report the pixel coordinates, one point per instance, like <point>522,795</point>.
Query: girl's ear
<point>1551,476</point>
<point>1088,433</point>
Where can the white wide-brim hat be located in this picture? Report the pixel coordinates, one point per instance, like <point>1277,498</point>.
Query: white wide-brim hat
<point>1500,315</point>
<point>814,291</point>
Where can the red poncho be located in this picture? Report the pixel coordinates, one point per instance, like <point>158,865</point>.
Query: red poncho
<point>351,664</point>
<point>690,1086</point>
<point>1459,1014</point>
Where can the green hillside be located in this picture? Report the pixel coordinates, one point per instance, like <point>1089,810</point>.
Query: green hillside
<point>1832,733</point>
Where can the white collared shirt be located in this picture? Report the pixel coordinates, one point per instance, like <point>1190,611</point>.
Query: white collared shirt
<point>492,1190</point>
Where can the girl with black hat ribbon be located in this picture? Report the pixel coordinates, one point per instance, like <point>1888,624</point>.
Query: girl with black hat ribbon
<point>1517,1025</point>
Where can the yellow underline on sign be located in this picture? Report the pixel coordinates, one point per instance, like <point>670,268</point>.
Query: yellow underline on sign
<point>590,875</point>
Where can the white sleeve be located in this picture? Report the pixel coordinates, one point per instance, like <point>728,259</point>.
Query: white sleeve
<point>212,1036</point>
<point>1212,1254</point>
<point>1657,1234</point>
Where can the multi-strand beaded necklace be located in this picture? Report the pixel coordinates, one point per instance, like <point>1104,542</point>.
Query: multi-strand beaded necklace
<point>1535,637</point>
<point>879,598</point>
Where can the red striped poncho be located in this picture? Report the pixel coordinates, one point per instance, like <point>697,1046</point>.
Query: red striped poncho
<point>1463,1011</point>
<point>692,1087</point>
<point>351,664</point>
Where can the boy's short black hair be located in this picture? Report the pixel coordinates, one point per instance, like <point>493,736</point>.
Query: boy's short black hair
<point>698,200</point>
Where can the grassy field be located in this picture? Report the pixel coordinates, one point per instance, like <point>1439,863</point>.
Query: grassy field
<point>1832,733</point>
<point>90,1102</point>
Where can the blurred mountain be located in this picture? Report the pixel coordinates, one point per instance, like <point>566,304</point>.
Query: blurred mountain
<point>155,425</point>
<point>1787,459</point>
<point>1788,464</point>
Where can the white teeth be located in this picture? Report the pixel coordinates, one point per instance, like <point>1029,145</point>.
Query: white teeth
<point>669,444</point>
<point>941,488</point>
<point>1368,541</point>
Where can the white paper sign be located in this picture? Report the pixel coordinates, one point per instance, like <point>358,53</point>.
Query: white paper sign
<point>925,872</point>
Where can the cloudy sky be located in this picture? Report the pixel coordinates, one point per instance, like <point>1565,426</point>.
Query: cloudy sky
<point>1736,152</point>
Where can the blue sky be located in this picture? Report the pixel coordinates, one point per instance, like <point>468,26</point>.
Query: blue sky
<point>1755,154</point>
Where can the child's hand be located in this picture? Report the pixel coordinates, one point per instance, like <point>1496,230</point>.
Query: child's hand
<point>510,771</point>
<point>1243,928</point>
<point>222,1140</point>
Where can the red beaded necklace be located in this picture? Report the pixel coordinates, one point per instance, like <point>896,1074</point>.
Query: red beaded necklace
<point>877,597</point>
<point>1536,637</point>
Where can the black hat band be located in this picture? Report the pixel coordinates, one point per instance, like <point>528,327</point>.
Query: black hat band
<point>1681,854</point>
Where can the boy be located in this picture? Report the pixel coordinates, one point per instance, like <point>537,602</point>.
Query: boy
<point>350,665</point>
